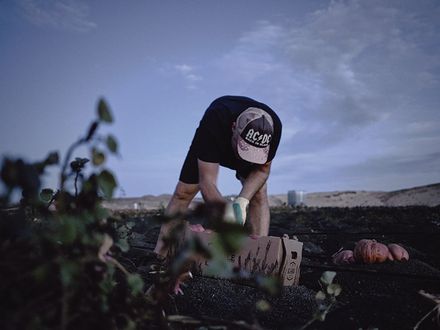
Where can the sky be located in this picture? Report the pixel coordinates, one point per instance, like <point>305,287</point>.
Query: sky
<point>355,84</point>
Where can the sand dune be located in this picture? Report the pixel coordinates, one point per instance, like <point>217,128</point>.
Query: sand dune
<point>425,195</point>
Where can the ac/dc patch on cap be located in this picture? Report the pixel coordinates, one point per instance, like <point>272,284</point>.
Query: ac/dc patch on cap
<point>255,129</point>
<point>258,132</point>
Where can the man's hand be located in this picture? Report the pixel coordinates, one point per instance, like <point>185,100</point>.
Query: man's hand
<point>236,211</point>
<point>240,205</point>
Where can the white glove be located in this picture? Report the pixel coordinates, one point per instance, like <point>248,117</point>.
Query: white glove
<point>235,211</point>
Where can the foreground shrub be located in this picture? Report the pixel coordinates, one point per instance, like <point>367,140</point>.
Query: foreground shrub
<point>59,248</point>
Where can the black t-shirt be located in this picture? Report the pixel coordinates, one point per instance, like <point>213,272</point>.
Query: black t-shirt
<point>212,140</point>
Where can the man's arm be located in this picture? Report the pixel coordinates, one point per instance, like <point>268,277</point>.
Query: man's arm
<point>208,173</point>
<point>255,180</point>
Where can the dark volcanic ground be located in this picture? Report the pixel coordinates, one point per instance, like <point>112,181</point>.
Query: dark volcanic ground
<point>383,296</point>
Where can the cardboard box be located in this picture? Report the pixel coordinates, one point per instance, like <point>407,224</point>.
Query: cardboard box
<point>274,256</point>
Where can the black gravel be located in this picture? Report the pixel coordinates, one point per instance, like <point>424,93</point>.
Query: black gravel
<point>383,296</point>
<point>225,300</point>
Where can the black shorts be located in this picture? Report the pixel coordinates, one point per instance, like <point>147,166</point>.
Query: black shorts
<point>190,170</point>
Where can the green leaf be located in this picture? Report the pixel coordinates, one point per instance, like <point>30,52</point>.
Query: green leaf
<point>131,325</point>
<point>320,295</point>
<point>230,238</point>
<point>334,289</point>
<point>201,249</point>
<point>123,245</point>
<point>271,285</point>
<point>91,185</point>
<point>217,267</point>
<point>101,213</point>
<point>135,282</point>
<point>112,144</point>
<point>68,270</point>
<point>68,230</point>
<point>107,183</point>
<point>52,159</point>
<point>263,305</point>
<point>108,284</point>
<point>104,112</point>
<point>123,231</point>
<point>98,157</point>
<point>41,272</point>
<point>46,194</point>
<point>130,224</point>
<point>327,277</point>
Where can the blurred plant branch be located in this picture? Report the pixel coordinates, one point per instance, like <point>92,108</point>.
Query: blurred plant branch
<point>325,298</point>
<point>435,310</point>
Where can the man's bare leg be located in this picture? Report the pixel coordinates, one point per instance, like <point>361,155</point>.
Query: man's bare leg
<point>182,197</point>
<point>259,214</point>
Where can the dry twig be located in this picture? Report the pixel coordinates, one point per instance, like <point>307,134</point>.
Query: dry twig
<point>436,299</point>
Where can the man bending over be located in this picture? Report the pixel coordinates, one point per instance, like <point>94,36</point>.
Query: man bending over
<point>239,133</point>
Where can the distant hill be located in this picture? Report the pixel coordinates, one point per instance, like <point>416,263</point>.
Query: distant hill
<point>428,195</point>
<point>424,195</point>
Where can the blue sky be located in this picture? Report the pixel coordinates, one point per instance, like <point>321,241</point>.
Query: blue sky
<point>355,84</point>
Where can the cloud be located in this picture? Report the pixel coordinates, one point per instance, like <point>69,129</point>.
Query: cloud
<point>188,74</point>
<point>355,84</point>
<point>429,162</point>
<point>341,169</point>
<point>255,56</point>
<point>345,67</point>
<point>393,171</point>
<point>72,15</point>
